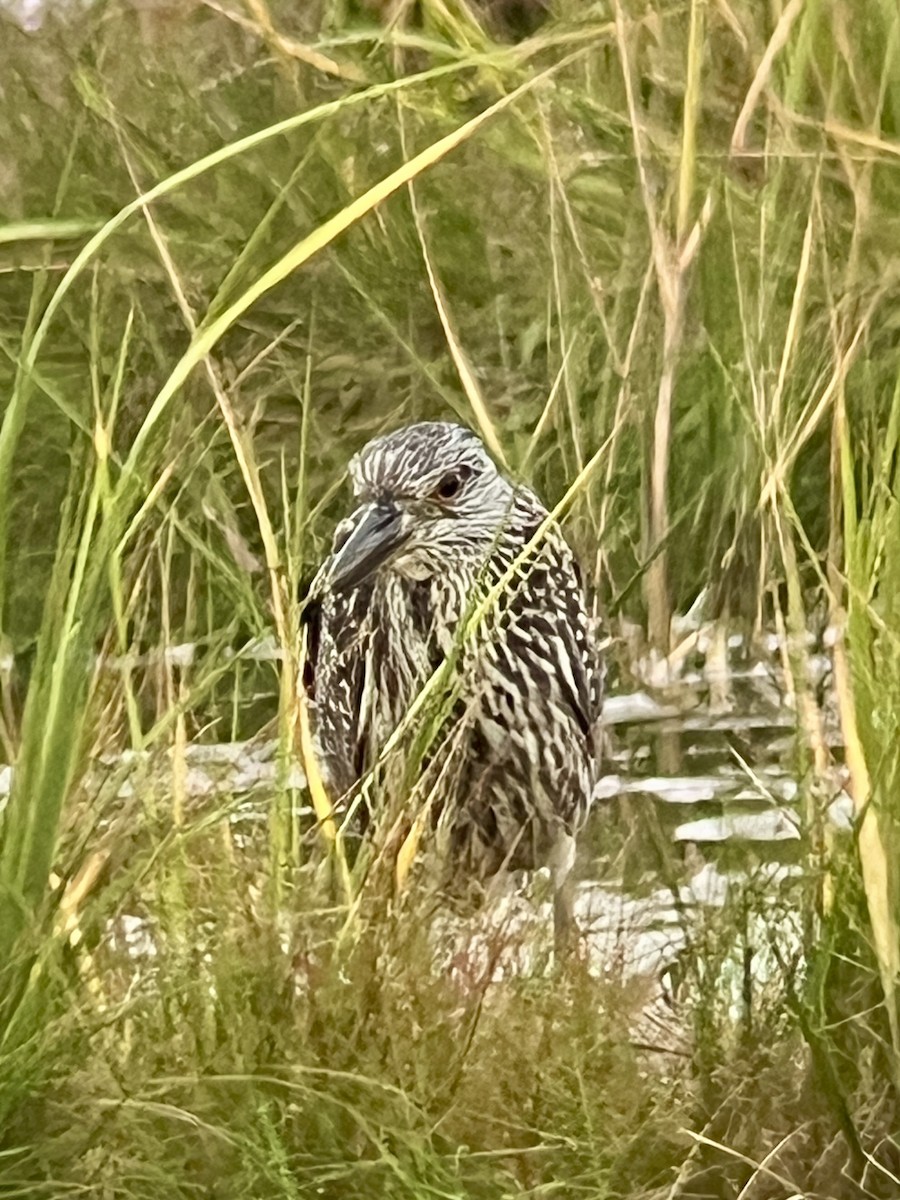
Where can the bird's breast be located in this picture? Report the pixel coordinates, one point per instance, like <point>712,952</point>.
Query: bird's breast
<point>405,648</point>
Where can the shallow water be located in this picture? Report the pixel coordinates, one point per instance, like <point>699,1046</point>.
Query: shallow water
<point>696,831</point>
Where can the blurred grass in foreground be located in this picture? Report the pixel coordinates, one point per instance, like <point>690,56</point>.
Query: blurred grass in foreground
<point>236,243</point>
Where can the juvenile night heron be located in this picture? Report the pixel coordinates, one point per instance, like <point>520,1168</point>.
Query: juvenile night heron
<point>438,530</point>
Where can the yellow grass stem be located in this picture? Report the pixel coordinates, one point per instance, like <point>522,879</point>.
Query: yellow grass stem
<point>877,862</point>
<point>407,853</point>
<point>814,411</point>
<point>792,332</point>
<point>687,167</point>
<point>322,805</point>
<point>198,168</point>
<point>776,44</point>
<point>52,229</point>
<point>873,855</point>
<point>287,47</point>
<point>211,330</point>
<point>464,370</point>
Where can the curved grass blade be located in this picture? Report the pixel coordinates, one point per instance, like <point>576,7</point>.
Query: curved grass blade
<point>210,332</point>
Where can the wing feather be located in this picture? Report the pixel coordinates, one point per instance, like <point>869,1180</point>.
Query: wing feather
<point>333,676</point>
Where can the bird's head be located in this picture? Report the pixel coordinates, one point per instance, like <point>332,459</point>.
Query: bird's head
<point>430,499</point>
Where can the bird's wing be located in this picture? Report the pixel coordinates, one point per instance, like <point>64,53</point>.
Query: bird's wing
<point>333,676</point>
<point>594,664</point>
<point>549,625</point>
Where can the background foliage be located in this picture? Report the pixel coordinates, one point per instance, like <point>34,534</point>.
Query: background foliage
<point>672,259</point>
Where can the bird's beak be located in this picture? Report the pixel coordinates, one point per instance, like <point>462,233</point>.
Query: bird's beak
<point>378,531</point>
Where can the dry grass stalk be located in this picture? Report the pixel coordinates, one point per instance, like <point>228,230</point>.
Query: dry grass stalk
<point>672,259</point>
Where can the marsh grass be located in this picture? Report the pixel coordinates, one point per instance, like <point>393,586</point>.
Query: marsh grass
<point>650,254</point>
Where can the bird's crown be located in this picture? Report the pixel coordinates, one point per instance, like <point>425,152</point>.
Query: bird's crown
<point>431,458</point>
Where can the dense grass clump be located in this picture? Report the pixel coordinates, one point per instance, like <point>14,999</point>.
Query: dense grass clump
<point>648,251</point>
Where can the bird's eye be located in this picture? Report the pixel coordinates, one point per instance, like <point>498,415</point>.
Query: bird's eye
<point>448,487</point>
<point>451,483</point>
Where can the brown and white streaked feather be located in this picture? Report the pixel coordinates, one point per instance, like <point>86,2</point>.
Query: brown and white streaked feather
<point>518,764</point>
